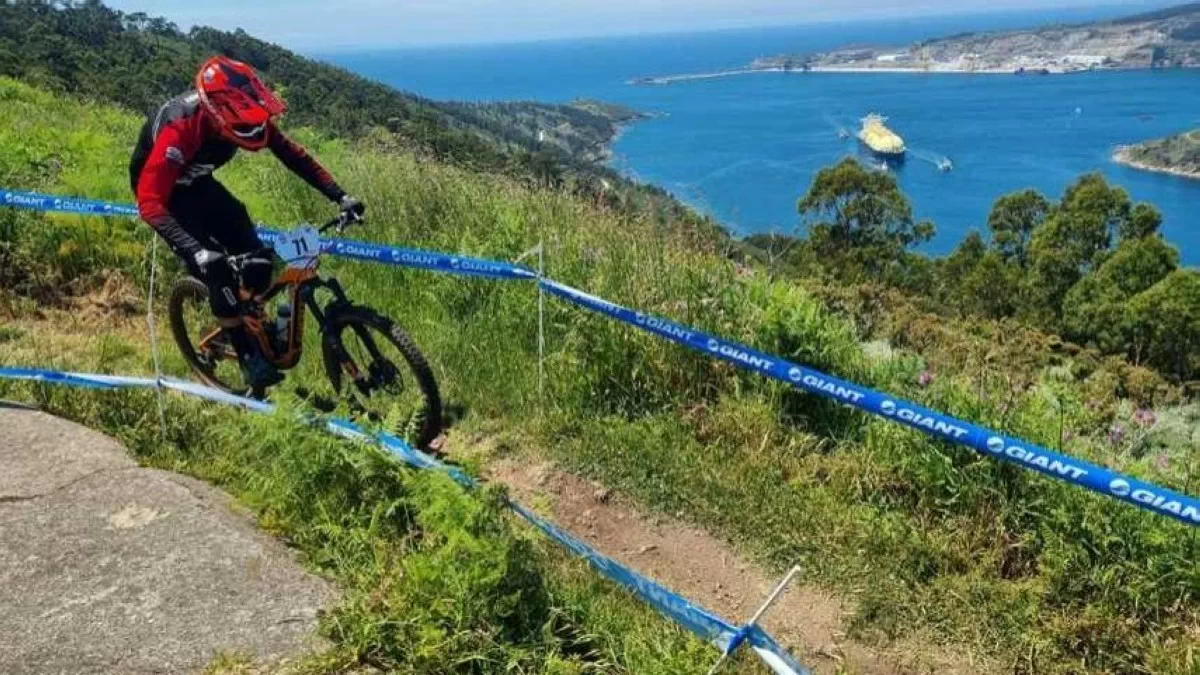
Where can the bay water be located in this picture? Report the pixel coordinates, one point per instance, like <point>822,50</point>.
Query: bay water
<point>744,148</point>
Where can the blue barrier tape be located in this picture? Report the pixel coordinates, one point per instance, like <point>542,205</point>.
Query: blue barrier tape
<point>1056,465</point>
<point>34,201</point>
<point>696,619</point>
<point>345,248</point>
<point>776,657</point>
<point>409,257</point>
<point>52,377</point>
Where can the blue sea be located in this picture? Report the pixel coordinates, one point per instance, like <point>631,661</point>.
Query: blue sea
<point>743,148</point>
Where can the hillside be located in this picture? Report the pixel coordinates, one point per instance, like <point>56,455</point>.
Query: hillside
<point>924,542</point>
<point>138,61</point>
<point>430,576</point>
<point>581,129</point>
<point>1179,155</point>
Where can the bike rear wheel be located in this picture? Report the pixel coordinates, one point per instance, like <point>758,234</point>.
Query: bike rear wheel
<point>373,363</point>
<point>198,336</point>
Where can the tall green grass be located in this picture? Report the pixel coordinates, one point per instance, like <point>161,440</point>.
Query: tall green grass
<point>924,536</point>
<point>433,579</point>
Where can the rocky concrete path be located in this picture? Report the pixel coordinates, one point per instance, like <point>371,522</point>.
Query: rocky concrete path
<point>106,567</point>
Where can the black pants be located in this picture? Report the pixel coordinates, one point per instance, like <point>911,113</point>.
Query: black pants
<point>208,212</point>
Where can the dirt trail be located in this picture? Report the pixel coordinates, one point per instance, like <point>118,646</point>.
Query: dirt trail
<point>703,568</point>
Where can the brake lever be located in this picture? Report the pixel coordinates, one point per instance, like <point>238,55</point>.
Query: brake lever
<point>347,219</point>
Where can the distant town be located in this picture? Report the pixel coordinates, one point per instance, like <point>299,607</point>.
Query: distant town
<point>1168,38</point>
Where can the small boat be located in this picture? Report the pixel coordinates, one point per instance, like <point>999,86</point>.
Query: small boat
<point>843,134</point>
<point>944,164</point>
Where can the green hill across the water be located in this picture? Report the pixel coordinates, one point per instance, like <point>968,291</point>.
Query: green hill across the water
<point>1179,154</point>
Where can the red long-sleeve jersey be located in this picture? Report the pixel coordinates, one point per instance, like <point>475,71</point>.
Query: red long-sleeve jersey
<point>179,144</point>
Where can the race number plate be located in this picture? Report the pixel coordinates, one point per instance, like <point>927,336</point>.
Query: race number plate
<point>299,247</point>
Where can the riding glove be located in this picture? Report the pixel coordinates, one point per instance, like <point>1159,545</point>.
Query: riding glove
<point>352,205</point>
<point>205,257</point>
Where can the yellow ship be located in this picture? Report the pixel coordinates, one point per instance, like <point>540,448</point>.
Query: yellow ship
<point>879,139</point>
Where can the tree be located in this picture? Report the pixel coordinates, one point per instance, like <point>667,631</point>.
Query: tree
<point>1075,239</point>
<point>990,288</point>
<point>912,273</point>
<point>1095,312</point>
<point>1090,214</point>
<point>1165,324</point>
<point>1143,221</point>
<point>1098,309</point>
<point>1138,264</point>
<point>860,217</point>
<point>1012,221</point>
<point>1053,270</point>
<point>965,257</point>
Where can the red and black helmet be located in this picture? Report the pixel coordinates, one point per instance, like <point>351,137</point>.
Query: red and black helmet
<point>241,105</point>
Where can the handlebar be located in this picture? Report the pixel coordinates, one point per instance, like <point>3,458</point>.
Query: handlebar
<point>262,256</point>
<point>345,219</point>
<point>266,255</point>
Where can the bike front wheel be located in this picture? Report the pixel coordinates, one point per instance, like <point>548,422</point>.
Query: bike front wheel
<point>375,365</point>
<point>199,337</point>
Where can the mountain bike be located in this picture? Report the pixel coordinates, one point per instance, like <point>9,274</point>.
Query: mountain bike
<point>370,361</point>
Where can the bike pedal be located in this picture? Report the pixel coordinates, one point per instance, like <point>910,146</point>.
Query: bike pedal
<point>322,404</point>
<point>438,445</point>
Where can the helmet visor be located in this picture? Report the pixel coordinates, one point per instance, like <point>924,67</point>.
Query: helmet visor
<point>248,136</point>
<point>250,132</point>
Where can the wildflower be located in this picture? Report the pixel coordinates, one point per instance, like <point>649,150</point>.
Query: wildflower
<point>1145,417</point>
<point>1116,434</point>
<point>925,378</point>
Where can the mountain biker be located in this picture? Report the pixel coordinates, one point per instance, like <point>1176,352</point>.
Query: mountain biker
<point>180,146</point>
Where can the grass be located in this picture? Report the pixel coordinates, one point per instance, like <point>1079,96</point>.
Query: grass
<point>923,537</point>
<point>434,579</point>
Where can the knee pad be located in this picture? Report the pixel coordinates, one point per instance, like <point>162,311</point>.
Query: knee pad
<point>257,278</point>
<point>222,291</point>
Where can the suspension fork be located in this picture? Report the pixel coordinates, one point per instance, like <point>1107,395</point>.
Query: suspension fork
<point>380,372</point>
<point>308,295</point>
<point>334,287</point>
<point>331,341</point>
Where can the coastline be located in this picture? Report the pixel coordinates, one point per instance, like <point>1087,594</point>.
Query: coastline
<point>668,79</point>
<point>1121,156</point>
<point>603,154</point>
<point>1168,38</point>
<point>671,79</point>
<point>935,69</point>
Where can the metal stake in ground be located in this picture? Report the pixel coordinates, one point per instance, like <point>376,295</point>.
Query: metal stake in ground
<point>541,321</point>
<point>541,374</point>
<point>779,589</point>
<point>162,406</point>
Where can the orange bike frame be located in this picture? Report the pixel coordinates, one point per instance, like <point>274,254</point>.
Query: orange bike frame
<point>293,279</point>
